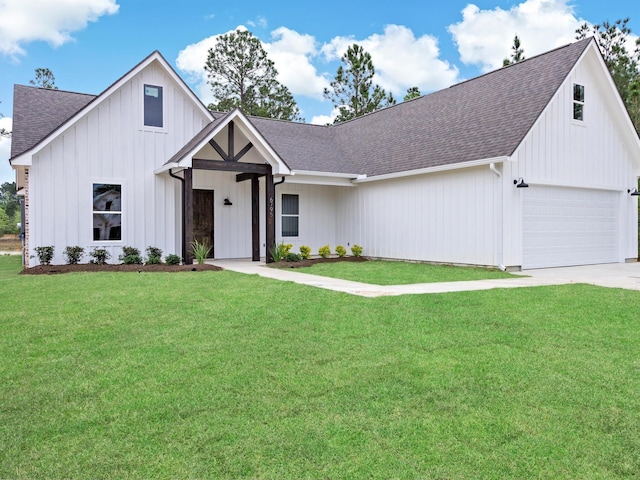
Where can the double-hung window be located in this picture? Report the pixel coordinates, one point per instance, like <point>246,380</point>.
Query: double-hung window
<point>578,102</point>
<point>290,215</point>
<point>153,114</point>
<point>107,211</point>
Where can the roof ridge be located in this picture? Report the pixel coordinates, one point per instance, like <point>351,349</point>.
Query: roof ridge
<point>34,87</point>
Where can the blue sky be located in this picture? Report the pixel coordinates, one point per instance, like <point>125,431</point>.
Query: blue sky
<point>88,44</point>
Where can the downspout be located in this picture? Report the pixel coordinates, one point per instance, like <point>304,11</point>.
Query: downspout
<point>500,212</point>
<point>184,247</point>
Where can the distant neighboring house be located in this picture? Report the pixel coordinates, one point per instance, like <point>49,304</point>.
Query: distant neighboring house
<point>532,165</point>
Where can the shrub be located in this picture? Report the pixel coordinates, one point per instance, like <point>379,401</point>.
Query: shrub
<point>172,259</point>
<point>154,256</point>
<point>356,250</point>
<point>324,251</point>
<point>99,256</point>
<point>293,257</point>
<point>44,254</point>
<point>341,251</point>
<point>279,251</point>
<point>200,250</point>
<point>130,255</point>
<point>305,251</point>
<point>73,254</point>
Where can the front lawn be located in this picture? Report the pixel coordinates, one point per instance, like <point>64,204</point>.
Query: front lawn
<point>223,375</point>
<point>380,272</point>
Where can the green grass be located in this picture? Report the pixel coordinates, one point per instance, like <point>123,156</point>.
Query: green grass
<point>381,272</point>
<point>223,375</point>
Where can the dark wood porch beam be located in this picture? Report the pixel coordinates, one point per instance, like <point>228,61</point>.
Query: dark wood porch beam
<point>255,217</point>
<point>230,142</point>
<point>242,152</point>
<point>202,164</point>
<point>188,216</point>
<point>270,197</point>
<point>241,177</point>
<point>219,149</point>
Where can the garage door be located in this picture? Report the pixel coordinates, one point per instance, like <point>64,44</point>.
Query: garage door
<point>569,226</point>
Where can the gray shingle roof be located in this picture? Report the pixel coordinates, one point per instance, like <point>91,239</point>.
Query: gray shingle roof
<point>39,111</point>
<point>481,118</point>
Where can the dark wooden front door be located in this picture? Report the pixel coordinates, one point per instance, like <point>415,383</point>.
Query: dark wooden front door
<point>203,217</point>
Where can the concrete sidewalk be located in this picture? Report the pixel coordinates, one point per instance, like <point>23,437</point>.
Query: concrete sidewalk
<point>368,290</point>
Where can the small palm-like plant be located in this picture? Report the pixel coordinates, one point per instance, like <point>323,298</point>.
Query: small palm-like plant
<point>200,250</point>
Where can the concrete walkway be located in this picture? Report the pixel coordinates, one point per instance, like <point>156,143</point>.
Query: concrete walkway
<point>368,290</point>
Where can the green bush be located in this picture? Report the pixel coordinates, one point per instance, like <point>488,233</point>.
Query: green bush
<point>200,250</point>
<point>286,248</point>
<point>293,257</point>
<point>305,251</point>
<point>73,254</point>
<point>130,256</point>
<point>341,251</point>
<point>154,256</point>
<point>99,256</point>
<point>44,254</point>
<point>172,259</point>
<point>356,250</point>
<point>324,251</point>
<point>279,251</point>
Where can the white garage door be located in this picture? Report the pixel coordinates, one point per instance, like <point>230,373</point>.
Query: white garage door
<point>569,226</point>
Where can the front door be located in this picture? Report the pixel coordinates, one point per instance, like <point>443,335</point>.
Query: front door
<point>203,217</point>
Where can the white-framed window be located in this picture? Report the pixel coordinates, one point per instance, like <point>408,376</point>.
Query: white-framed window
<point>153,106</point>
<point>290,215</point>
<point>107,212</point>
<point>578,102</point>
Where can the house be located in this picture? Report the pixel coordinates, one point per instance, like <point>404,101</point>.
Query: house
<point>532,165</point>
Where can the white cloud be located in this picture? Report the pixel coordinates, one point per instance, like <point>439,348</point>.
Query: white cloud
<point>6,173</point>
<point>485,37</point>
<point>290,51</point>
<point>400,59</point>
<point>24,21</point>
<point>258,22</point>
<point>326,119</point>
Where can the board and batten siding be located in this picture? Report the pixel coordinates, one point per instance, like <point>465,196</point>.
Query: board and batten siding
<point>562,152</point>
<point>448,217</point>
<point>110,145</point>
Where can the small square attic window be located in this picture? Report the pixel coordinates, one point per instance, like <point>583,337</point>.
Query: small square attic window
<point>153,116</point>
<point>578,102</point>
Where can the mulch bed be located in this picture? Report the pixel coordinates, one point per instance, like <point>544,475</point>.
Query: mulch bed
<point>92,267</point>
<point>314,261</point>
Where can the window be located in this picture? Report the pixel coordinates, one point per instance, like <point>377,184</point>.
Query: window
<point>290,215</point>
<point>153,106</point>
<point>578,102</point>
<point>107,212</point>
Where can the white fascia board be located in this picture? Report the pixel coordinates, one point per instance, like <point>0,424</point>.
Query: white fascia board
<point>167,167</point>
<point>24,159</point>
<point>325,174</point>
<point>320,180</point>
<point>260,143</point>
<point>440,168</point>
<point>154,57</point>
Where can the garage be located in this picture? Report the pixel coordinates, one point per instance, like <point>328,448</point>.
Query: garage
<point>569,226</point>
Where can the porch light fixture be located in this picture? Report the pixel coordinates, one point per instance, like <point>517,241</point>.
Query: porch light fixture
<point>227,202</point>
<point>633,192</point>
<point>519,183</point>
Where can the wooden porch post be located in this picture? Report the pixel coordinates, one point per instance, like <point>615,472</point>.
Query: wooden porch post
<point>270,196</point>
<point>187,211</point>
<point>255,218</point>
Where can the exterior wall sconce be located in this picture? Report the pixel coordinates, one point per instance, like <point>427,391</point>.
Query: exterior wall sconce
<point>227,202</point>
<point>519,183</point>
<point>633,192</point>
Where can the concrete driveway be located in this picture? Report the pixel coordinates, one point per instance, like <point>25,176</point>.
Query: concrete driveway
<point>614,275</point>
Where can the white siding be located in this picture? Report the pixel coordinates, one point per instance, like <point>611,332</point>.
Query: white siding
<point>450,217</point>
<point>110,145</point>
<point>562,152</point>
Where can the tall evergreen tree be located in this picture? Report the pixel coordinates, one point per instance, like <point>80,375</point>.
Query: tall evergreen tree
<point>44,79</point>
<point>517,53</point>
<point>352,89</point>
<point>413,92</point>
<point>242,76</point>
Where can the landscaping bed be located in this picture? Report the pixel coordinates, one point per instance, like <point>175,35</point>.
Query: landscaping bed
<point>93,267</point>
<point>309,262</point>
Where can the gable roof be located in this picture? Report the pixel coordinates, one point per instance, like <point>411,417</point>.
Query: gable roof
<point>52,128</point>
<point>39,111</point>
